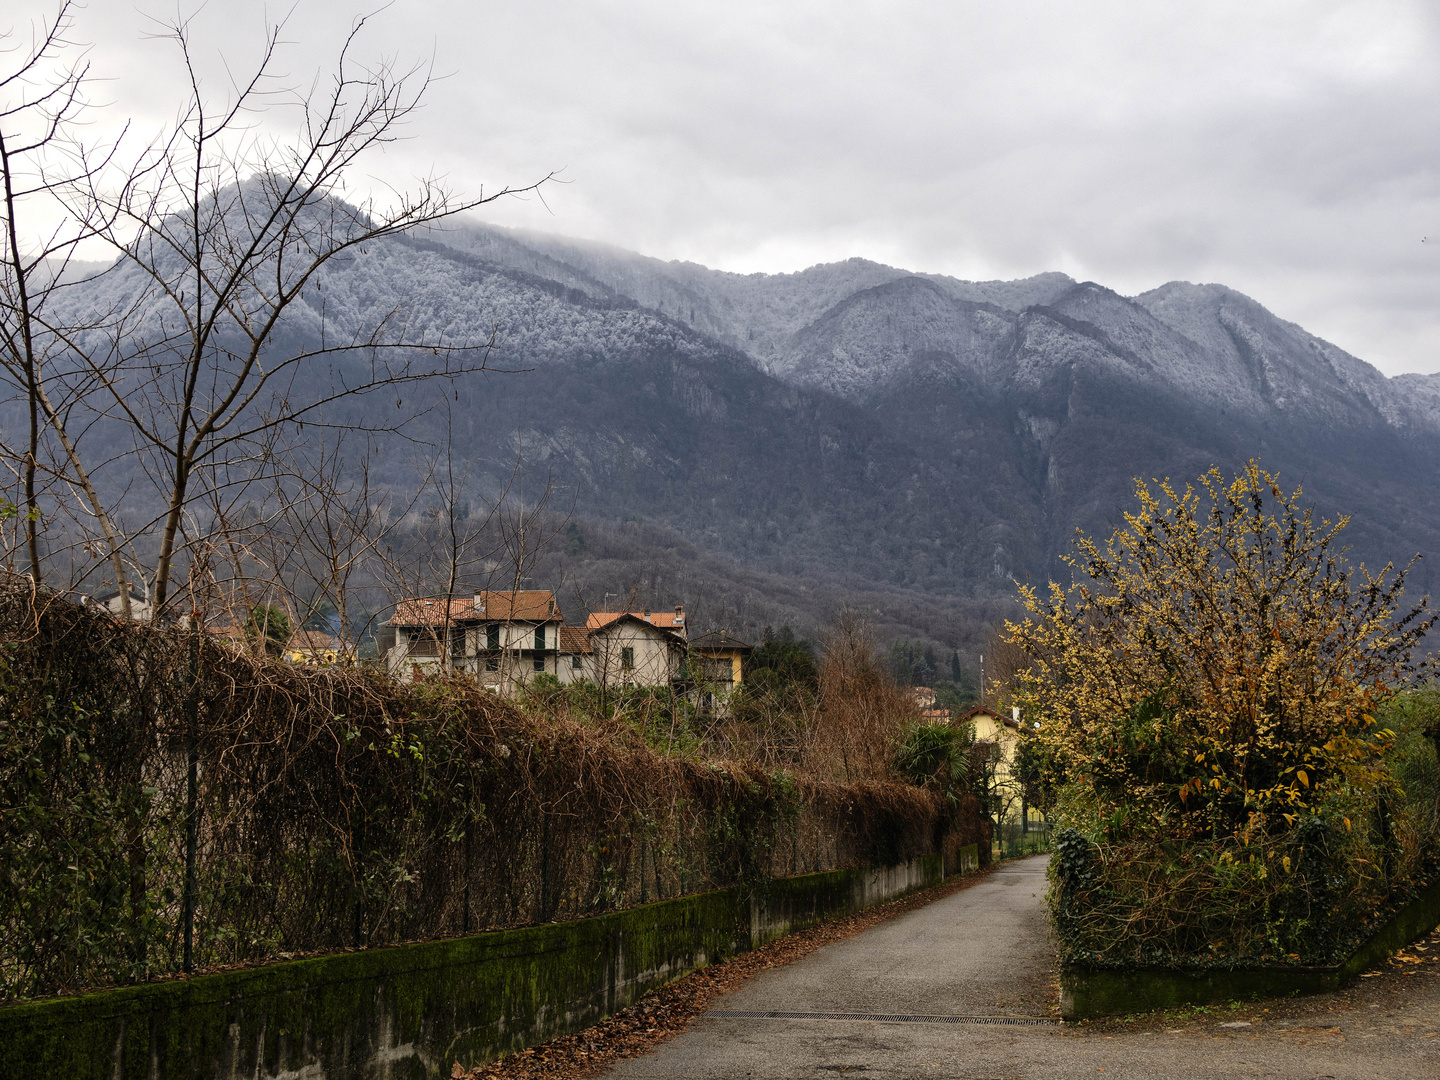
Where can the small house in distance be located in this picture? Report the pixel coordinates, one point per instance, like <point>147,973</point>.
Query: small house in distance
<point>114,603</point>
<point>990,726</point>
<point>717,669</point>
<point>312,647</point>
<point>1003,732</point>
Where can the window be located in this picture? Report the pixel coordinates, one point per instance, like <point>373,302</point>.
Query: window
<point>627,659</point>
<point>540,638</point>
<point>575,662</point>
<point>492,637</point>
<point>457,645</point>
<point>718,670</point>
<point>539,663</point>
<point>425,646</point>
<point>492,663</point>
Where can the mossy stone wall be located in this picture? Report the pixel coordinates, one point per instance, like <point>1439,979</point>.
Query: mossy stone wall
<point>1087,992</point>
<point>788,904</point>
<point>410,1010</point>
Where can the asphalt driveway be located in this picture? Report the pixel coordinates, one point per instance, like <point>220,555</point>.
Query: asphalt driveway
<point>964,987</point>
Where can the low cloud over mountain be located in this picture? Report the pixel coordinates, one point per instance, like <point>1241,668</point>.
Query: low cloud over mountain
<point>875,429</point>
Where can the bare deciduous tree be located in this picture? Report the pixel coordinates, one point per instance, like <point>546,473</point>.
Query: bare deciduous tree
<point>224,237</point>
<point>42,100</point>
<point>862,713</point>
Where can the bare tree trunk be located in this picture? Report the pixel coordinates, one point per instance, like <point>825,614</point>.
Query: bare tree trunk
<point>222,246</point>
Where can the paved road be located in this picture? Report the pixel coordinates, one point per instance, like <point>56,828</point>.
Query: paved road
<point>984,953</point>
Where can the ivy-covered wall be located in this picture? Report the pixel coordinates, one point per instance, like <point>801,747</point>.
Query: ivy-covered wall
<point>335,808</point>
<point>1088,991</point>
<point>411,1010</point>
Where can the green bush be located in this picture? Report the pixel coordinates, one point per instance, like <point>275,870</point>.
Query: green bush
<point>1223,732</point>
<point>1306,894</point>
<point>940,757</point>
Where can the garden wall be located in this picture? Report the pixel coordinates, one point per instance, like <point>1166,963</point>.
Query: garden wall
<point>1089,991</point>
<point>333,808</point>
<point>411,1010</point>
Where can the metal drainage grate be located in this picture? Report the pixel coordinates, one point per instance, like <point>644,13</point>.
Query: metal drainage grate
<point>885,1018</point>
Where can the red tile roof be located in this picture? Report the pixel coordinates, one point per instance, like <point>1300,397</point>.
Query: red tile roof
<point>312,640</point>
<point>575,639</point>
<point>667,620</point>
<point>430,611</point>
<point>527,605</point>
<point>605,620</point>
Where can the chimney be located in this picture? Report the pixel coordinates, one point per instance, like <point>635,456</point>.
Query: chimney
<point>679,613</point>
<point>647,614</point>
<point>480,601</point>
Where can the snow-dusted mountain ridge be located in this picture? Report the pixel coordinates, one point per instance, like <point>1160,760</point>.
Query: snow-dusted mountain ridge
<point>855,326</point>
<point>874,427</point>
<point>973,425</point>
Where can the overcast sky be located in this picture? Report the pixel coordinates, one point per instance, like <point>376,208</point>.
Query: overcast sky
<point>1287,149</point>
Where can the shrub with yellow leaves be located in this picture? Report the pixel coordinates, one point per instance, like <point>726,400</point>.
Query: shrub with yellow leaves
<point>1207,690</point>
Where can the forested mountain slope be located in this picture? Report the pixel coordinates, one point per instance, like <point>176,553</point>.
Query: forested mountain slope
<point>869,428</point>
<point>951,435</point>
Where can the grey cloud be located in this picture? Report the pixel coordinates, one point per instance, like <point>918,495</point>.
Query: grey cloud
<point>1287,149</point>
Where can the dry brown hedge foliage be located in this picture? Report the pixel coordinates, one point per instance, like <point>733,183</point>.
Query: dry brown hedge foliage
<point>340,809</point>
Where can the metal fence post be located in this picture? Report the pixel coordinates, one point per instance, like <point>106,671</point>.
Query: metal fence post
<point>192,792</point>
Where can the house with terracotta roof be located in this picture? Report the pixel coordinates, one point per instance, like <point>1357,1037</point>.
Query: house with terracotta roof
<point>627,649</point>
<point>503,638</point>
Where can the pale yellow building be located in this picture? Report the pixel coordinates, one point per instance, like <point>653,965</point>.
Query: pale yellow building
<point>717,669</point>
<point>1003,733</point>
<point>312,647</point>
